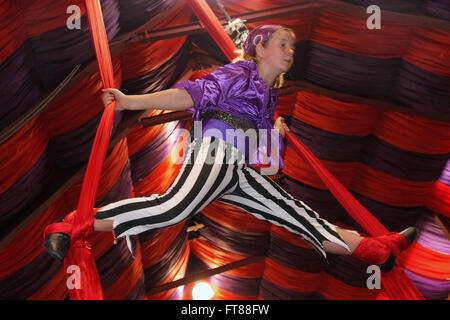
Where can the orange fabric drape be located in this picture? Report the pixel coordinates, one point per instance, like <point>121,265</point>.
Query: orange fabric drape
<point>20,152</point>
<point>426,262</point>
<point>429,49</point>
<point>348,33</point>
<point>335,116</point>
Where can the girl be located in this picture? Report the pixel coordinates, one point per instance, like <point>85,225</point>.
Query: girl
<point>239,96</point>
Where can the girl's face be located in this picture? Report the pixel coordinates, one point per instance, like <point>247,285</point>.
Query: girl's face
<point>279,51</point>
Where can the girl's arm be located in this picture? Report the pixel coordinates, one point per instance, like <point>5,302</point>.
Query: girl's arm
<point>170,99</point>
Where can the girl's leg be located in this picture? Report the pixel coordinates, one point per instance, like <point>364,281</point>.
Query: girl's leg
<point>262,197</point>
<point>205,176</point>
<point>103,225</point>
<point>351,239</point>
<point>208,171</point>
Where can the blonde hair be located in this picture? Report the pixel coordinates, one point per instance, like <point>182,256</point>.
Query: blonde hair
<point>244,56</point>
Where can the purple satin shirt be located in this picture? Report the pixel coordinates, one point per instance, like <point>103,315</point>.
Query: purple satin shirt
<point>237,89</point>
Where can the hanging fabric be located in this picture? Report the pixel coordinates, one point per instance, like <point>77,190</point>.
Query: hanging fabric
<point>80,254</point>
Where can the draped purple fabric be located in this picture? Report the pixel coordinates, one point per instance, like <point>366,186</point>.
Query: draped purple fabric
<point>269,291</point>
<point>121,190</point>
<point>20,88</point>
<point>422,90</point>
<point>391,5</point>
<point>138,292</point>
<point>134,13</point>
<point>403,164</point>
<point>445,175</point>
<point>430,235</point>
<point>437,8</point>
<point>156,273</point>
<point>28,280</point>
<point>39,63</point>
<point>14,202</point>
<point>157,149</point>
<point>112,264</point>
<point>73,148</point>
<point>345,72</point>
<point>431,289</point>
<point>73,46</point>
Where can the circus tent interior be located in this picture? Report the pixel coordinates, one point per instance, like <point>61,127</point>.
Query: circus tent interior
<point>373,105</point>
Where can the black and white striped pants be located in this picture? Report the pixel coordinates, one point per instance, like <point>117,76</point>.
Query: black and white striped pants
<point>214,170</point>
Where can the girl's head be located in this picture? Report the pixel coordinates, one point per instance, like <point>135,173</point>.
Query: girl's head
<point>272,45</point>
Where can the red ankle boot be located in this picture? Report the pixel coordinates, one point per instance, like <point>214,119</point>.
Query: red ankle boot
<point>59,235</point>
<point>383,250</point>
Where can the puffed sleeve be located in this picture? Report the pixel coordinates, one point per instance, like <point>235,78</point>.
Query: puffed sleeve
<point>209,91</point>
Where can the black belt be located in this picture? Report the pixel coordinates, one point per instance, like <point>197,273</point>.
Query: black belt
<point>232,121</point>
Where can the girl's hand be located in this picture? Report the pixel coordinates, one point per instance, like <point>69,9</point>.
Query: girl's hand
<point>111,94</point>
<point>281,126</point>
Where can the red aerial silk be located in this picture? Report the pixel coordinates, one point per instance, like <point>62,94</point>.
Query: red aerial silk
<point>396,284</point>
<point>80,252</point>
<point>214,28</point>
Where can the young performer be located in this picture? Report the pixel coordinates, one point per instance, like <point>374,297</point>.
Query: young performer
<point>240,97</point>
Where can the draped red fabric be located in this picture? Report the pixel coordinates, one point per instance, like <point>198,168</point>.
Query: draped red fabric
<point>333,115</point>
<point>439,199</point>
<point>429,49</point>
<point>162,176</point>
<point>12,35</point>
<point>42,16</point>
<point>407,132</point>
<point>396,284</point>
<point>79,105</point>
<point>152,55</point>
<point>26,246</point>
<point>20,152</point>
<point>222,294</point>
<point>413,133</point>
<point>79,252</point>
<point>348,33</point>
<point>214,28</point>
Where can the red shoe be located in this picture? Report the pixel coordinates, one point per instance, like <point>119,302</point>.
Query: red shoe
<point>383,250</point>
